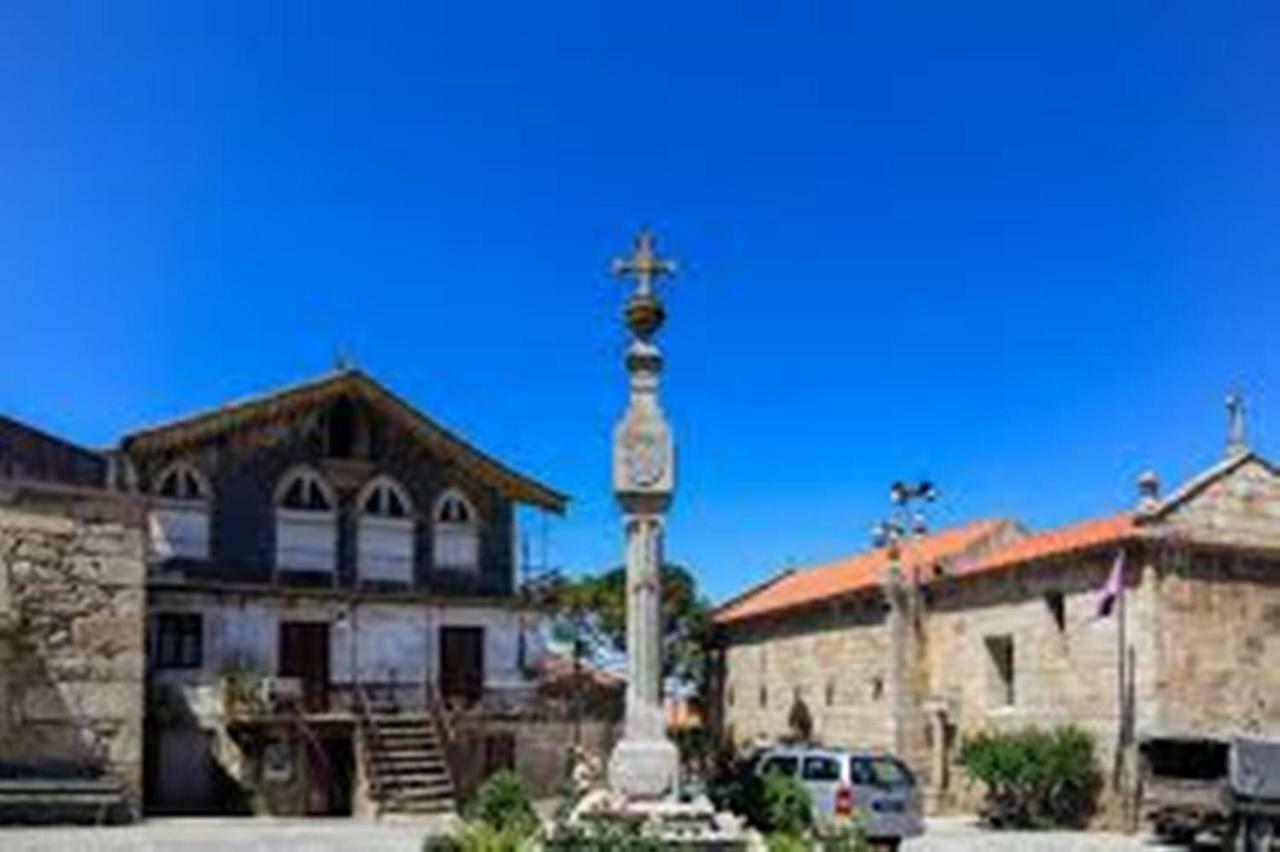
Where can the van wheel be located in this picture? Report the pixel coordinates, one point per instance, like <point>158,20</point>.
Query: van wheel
<point>887,845</point>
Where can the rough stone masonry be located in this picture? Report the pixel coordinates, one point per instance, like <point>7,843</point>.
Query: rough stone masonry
<point>72,635</point>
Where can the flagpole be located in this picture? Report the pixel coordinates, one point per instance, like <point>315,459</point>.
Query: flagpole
<point>1121,683</point>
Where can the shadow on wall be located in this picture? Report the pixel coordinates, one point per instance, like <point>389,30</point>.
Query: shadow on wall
<point>72,662</point>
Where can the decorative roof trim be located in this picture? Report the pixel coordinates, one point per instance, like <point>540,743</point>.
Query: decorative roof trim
<point>199,426</point>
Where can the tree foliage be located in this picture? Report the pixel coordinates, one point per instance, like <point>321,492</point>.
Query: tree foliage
<point>589,613</point>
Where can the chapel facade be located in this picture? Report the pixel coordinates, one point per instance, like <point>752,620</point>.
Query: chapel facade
<point>989,626</point>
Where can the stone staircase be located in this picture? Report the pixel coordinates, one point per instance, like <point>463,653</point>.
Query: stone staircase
<point>407,766</point>
<point>48,801</point>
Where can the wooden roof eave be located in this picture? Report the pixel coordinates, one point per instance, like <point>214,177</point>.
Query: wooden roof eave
<point>201,426</point>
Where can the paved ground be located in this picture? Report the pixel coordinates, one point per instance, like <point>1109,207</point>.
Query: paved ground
<point>216,835</point>
<point>962,835</point>
<point>345,835</point>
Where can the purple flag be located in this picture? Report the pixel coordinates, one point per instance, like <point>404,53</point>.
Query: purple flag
<point>1111,592</point>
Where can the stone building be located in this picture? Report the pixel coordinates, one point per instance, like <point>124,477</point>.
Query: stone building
<point>988,626</point>
<point>332,603</point>
<point>72,601</point>
<point>28,454</point>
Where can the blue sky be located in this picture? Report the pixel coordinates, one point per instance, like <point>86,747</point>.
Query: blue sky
<point>1023,249</point>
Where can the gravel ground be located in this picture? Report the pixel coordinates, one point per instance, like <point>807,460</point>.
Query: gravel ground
<point>349,835</point>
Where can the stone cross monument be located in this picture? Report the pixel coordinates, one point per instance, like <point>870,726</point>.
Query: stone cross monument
<point>645,763</point>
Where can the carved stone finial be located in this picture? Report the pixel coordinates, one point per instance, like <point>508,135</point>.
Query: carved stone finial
<point>1236,441</point>
<point>644,265</point>
<point>1148,490</point>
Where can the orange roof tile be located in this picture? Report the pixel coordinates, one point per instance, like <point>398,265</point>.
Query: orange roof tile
<point>865,570</point>
<point>1073,538</point>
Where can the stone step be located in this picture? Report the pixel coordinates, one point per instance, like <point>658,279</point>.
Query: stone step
<point>403,761</point>
<point>415,780</point>
<point>416,796</point>
<point>438,806</point>
<point>407,733</point>
<point>63,808</point>
<point>57,786</point>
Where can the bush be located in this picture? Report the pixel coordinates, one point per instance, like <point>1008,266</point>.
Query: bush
<point>1035,778</point>
<point>478,837</point>
<point>782,841</point>
<point>503,803</point>
<point>786,805</point>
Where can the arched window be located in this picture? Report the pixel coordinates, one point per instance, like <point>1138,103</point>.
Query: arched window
<point>456,533</point>
<point>385,536</point>
<point>306,522</point>
<point>178,522</point>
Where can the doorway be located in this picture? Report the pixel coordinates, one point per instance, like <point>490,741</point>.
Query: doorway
<point>462,664</point>
<point>304,654</point>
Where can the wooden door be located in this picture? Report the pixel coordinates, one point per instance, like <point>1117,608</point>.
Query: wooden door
<point>462,664</point>
<point>304,654</point>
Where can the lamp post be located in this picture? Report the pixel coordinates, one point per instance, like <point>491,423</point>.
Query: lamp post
<point>903,525</point>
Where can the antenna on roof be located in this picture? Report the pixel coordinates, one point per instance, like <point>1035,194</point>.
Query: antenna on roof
<point>342,360</point>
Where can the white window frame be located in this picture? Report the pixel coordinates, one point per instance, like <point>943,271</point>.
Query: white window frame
<point>178,527</point>
<point>306,539</point>
<point>455,546</point>
<point>385,544</point>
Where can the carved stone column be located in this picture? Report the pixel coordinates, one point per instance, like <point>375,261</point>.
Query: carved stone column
<point>645,764</point>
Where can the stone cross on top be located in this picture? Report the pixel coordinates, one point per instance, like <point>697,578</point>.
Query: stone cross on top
<point>1237,443</point>
<point>644,265</point>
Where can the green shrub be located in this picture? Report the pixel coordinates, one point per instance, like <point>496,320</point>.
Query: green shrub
<point>784,841</point>
<point>1035,778</point>
<point>503,803</point>
<point>843,835</point>
<point>786,805</point>
<point>479,837</point>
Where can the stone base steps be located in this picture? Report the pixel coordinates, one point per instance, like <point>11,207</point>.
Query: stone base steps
<point>37,801</point>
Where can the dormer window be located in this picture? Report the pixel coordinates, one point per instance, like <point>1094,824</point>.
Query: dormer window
<point>385,536</point>
<point>456,533</point>
<point>306,523</point>
<point>178,523</point>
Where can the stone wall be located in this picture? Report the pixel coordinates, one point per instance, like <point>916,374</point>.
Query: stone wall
<point>835,660</point>
<point>1219,645</point>
<point>1064,672</point>
<point>538,749</point>
<point>72,660</point>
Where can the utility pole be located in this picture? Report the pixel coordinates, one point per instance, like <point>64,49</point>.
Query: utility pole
<point>904,525</point>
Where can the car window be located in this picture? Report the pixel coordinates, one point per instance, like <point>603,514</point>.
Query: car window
<point>891,773</point>
<point>820,768</point>
<point>860,772</point>
<point>780,765</point>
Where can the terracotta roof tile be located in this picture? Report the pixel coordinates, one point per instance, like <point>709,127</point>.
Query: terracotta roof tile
<point>1073,538</point>
<point>866,570</point>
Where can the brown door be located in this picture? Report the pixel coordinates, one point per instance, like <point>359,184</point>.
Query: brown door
<point>462,663</point>
<point>304,654</point>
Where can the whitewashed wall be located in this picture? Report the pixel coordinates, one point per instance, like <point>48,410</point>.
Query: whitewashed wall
<point>404,638</point>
